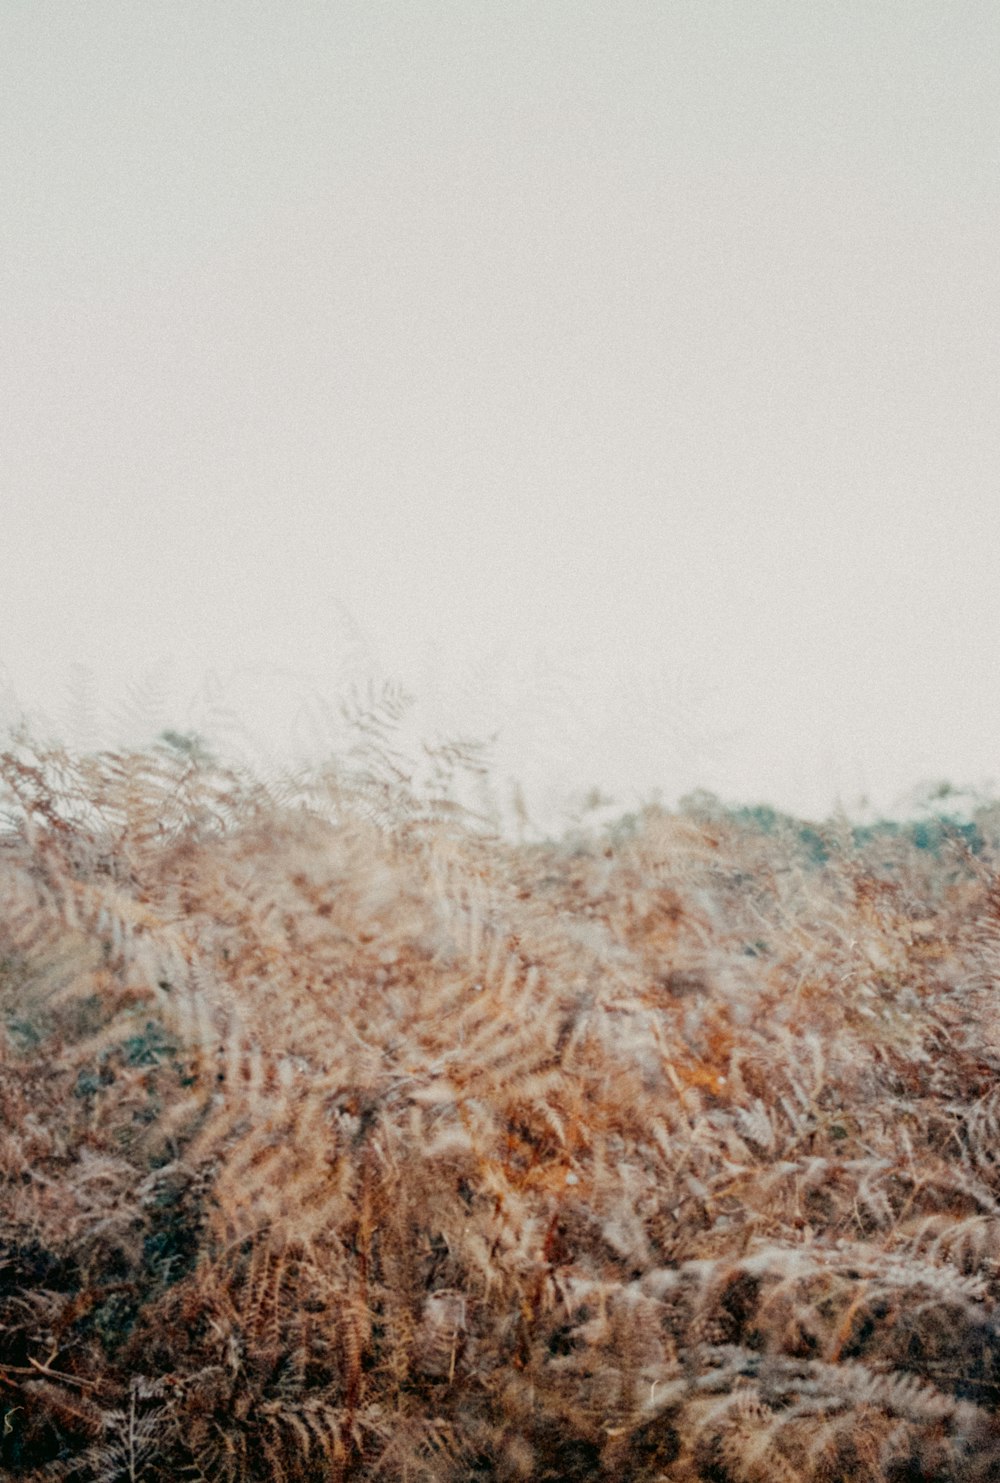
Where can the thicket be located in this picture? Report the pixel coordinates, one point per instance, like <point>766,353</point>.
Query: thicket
<point>340,1138</point>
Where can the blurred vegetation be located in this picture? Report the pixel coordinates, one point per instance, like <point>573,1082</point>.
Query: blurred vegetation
<point>342,1138</point>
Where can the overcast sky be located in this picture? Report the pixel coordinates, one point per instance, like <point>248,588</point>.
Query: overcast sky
<point>621,378</point>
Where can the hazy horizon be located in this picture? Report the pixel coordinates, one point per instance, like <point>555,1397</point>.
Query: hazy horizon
<point>620,380</point>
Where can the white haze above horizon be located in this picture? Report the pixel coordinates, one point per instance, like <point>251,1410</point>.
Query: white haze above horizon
<point>622,380</point>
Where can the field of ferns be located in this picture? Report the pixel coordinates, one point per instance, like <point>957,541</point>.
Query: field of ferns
<point>343,1138</point>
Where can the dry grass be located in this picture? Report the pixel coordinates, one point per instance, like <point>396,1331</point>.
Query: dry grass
<point>341,1139</point>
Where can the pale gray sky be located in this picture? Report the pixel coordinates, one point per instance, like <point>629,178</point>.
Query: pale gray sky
<point>621,377</point>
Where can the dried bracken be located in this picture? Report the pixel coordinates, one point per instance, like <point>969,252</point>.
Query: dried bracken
<point>340,1138</point>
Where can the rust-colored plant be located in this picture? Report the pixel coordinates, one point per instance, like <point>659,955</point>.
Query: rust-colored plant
<point>340,1138</point>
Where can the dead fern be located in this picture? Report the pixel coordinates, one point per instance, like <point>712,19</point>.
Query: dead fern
<point>340,1138</point>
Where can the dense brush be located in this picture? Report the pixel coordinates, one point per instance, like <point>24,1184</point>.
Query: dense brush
<point>340,1138</point>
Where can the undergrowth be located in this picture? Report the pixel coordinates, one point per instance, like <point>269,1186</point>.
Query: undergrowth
<point>342,1139</point>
